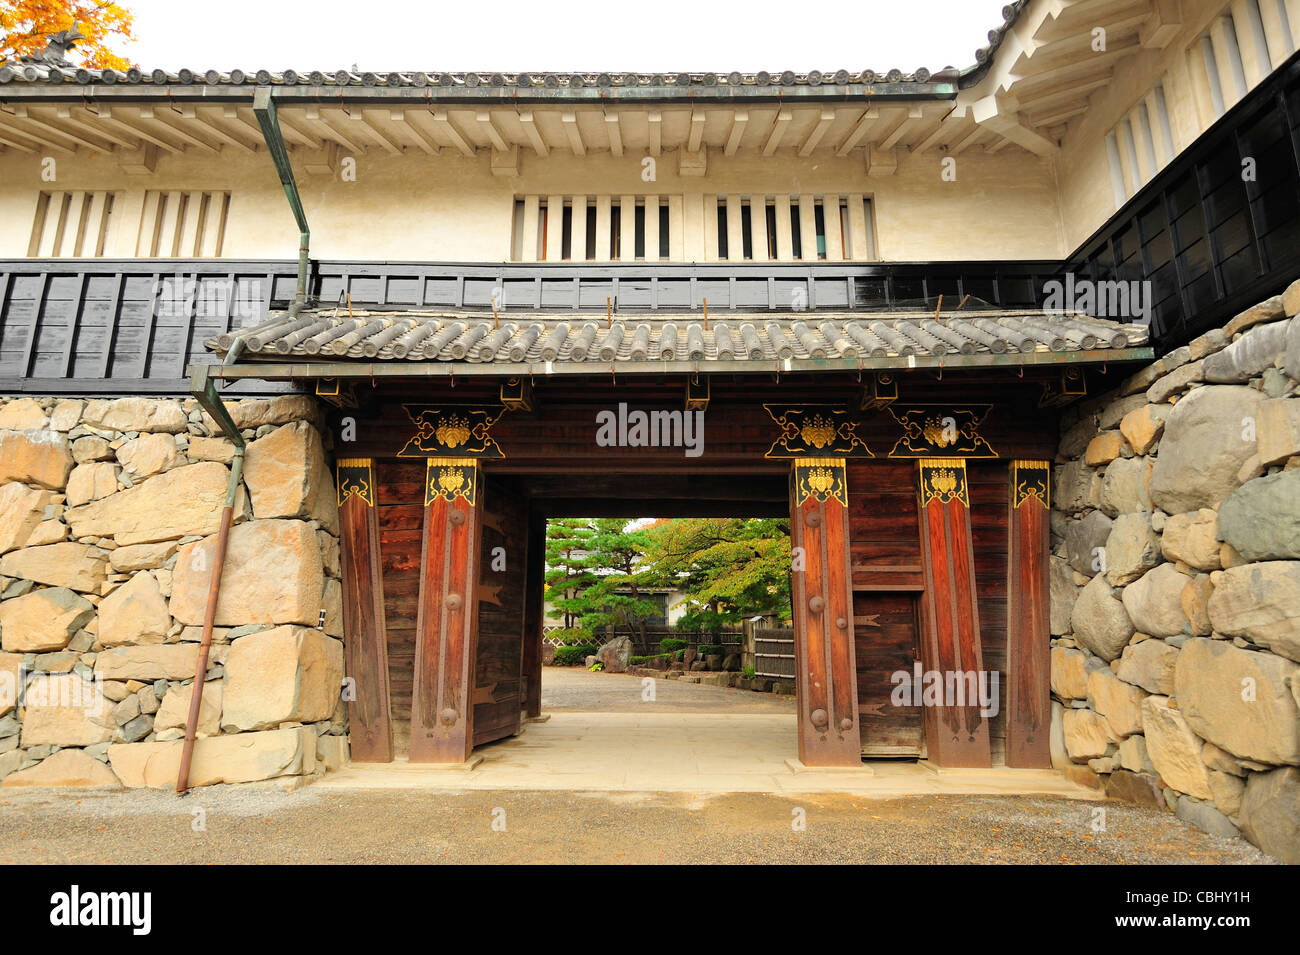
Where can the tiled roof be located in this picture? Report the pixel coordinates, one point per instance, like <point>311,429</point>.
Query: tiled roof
<point>32,70</point>
<point>442,337</point>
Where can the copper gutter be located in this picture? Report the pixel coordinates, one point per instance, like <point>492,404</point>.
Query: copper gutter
<point>203,387</point>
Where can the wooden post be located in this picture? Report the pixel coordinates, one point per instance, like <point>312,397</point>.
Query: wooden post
<point>365,640</point>
<point>534,594</point>
<point>446,630</point>
<point>826,676</point>
<point>955,735</point>
<point>1028,623</point>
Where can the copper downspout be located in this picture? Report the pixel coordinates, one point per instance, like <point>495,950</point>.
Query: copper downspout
<point>204,389</point>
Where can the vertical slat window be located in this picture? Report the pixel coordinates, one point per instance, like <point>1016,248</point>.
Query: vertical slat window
<point>665,231</point>
<point>70,224</point>
<point>819,217</point>
<point>638,232</point>
<point>796,233</point>
<point>1211,64</point>
<point>183,224</point>
<point>769,213</point>
<point>722,231</point>
<point>566,233</point>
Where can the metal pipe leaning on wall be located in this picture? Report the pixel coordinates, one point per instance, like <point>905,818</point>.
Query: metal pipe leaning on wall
<point>203,387</point>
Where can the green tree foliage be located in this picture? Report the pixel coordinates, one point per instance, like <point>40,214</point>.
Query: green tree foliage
<point>569,566</point>
<point>615,598</point>
<point>730,569</point>
<point>593,574</point>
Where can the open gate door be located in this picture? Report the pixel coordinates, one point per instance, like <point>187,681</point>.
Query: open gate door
<point>498,685</point>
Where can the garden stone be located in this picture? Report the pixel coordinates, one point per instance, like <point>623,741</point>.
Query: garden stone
<point>1260,602</point>
<point>1154,603</point>
<point>1270,813</point>
<point>1205,817</point>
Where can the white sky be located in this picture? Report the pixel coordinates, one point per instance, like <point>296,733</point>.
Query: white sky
<point>560,35</point>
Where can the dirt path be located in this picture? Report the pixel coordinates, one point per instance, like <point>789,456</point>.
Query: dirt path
<point>576,688</point>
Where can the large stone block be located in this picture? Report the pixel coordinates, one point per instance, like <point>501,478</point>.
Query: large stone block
<point>1084,540</point>
<point>1277,431</point>
<point>288,476</point>
<point>1100,622</point>
<point>35,457</point>
<point>281,675</point>
<point>1192,538</point>
<point>134,613</point>
<point>91,481</point>
<point>241,758</point>
<point>1261,519</point>
<point>185,502</point>
<point>175,709</point>
<point>75,566</point>
<point>22,510</point>
<point>1150,665</point>
<point>1143,426</point>
<point>1142,789</point>
<point>1124,488</point>
<point>1174,749</point>
<point>1069,673</point>
<point>43,620</point>
<point>62,709</point>
<point>1087,736</point>
<point>22,414</point>
<point>1132,548</point>
<point>1240,700</point>
<point>1291,364</point>
<point>273,574</point>
<point>1209,436</point>
<point>1119,702</point>
<point>1260,602</point>
<point>1248,356</point>
<point>134,557</point>
<point>256,412</point>
<point>1270,813</point>
<point>150,454</point>
<point>11,681</point>
<point>136,414</point>
<point>1071,486</point>
<point>66,769</point>
<point>1063,593</point>
<point>1155,602</point>
<point>172,661</point>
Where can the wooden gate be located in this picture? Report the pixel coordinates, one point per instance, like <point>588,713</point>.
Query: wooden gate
<point>774,652</point>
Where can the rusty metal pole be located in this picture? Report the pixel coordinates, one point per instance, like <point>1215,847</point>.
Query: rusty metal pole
<point>204,389</point>
<point>209,619</point>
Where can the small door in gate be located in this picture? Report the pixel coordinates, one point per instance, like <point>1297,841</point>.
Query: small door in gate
<point>498,687</point>
<point>887,643</point>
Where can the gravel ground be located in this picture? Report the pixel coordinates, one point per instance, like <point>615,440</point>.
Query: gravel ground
<point>575,688</point>
<point>245,825</point>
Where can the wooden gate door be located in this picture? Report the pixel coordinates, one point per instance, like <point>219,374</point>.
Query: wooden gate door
<point>887,636</point>
<point>498,683</point>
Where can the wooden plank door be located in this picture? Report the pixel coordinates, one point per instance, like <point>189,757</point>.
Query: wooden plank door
<point>502,605</point>
<point>886,628</point>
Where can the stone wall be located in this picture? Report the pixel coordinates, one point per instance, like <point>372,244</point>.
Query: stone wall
<point>1175,608</point>
<point>108,518</point>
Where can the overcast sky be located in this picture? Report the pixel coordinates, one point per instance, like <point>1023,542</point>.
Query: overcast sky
<point>561,35</point>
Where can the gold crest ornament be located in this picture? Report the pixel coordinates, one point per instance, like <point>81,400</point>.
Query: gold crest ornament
<point>442,430</point>
<point>450,478</point>
<point>355,478</point>
<point>943,480</point>
<point>935,429</point>
<point>452,432</point>
<point>816,429</point>
<point>1031,481</point>
<point>821,479</point>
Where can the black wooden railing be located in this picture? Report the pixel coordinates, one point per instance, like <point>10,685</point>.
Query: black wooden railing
<point>98,325</point>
